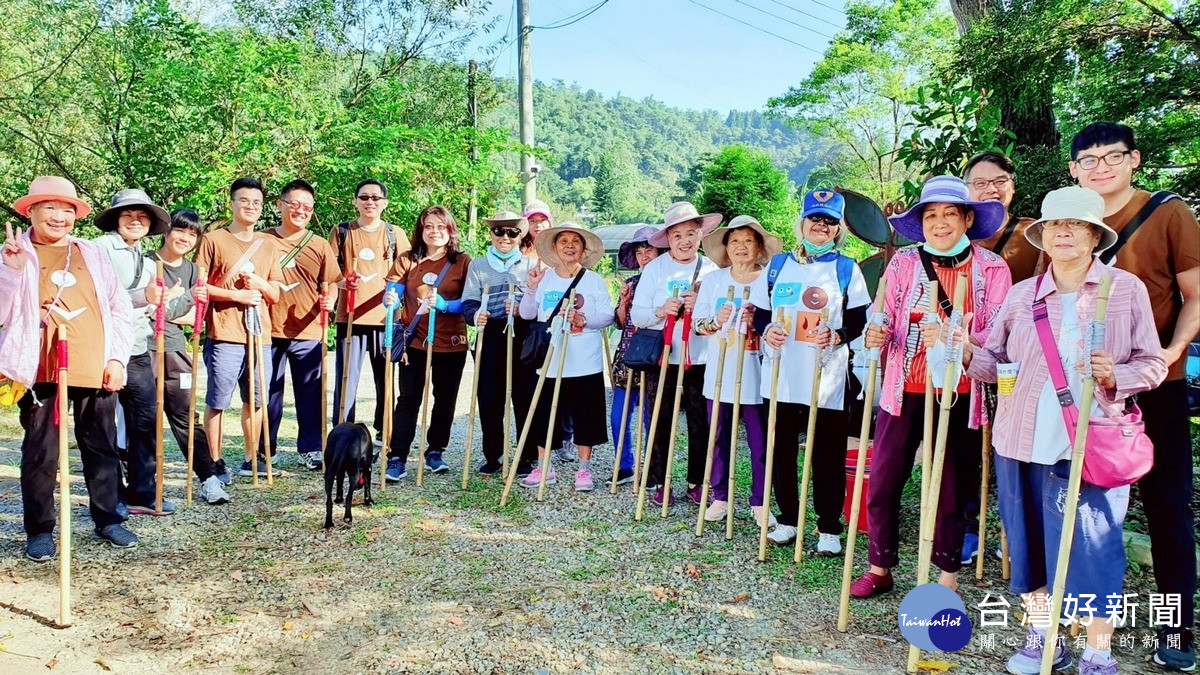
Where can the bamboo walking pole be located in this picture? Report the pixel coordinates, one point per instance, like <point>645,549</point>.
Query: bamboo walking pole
<point>348,345</point>
<point>160,377</point>
<point>740,353</point>
<point>251,432</point>
<point>860,466</point>
<point>1075,481</point>
<point>772,411</point>
<point>1005,570</point>
<point>722,347</point>
<point>639,428</point>
<point>64,484</point>
<point>984,479</point>
<point>927,435</point>
<point>264,422</point>
<point>197,328</point>
<point>612,488</point>
<point>466,473</point>
<point>389,334</point>
<point>933,488</point>
<point>668,331</point>
<point>565,333</point>
<point>684,356</point>
<point>537,396</point>
<point>429,336</point>
<point>324,314</point>
<point>510,310</point>
<point>814,405</point>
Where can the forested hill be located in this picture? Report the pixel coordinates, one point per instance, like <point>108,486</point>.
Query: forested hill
<point>625,158</point>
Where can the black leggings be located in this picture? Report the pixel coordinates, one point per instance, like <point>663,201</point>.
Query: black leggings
<point>446,373</point>
<point>490,397</point>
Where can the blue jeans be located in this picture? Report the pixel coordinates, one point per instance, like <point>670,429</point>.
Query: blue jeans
<point>614,417</point>
<point>304,359</point>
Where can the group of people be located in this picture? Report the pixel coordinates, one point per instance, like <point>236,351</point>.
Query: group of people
<point>705,285</point>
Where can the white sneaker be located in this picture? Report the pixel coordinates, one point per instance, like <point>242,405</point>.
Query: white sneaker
<point>213,492</point>
<point>771,522</point>
<point>567,453</point>
<point>782,534</point>
<point>716,512</point>
<point>828,544</point>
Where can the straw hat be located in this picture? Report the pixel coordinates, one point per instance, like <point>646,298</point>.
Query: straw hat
<point>714,243</point>
<point>124,200</point>
<point>627,253</point>
<point>989,216</point>
<point>1072,203</point>
<point>593,247</point>
<point>682,212</point>
<point>509,219</point>
<point>51,189</point>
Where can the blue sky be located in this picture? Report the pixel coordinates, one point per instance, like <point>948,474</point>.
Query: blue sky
<point>677,51</point>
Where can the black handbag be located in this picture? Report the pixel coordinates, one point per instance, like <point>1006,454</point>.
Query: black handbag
<point>537,341</point>
<point>646,344</point>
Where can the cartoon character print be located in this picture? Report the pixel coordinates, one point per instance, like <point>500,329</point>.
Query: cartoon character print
<point>367,254</point>
<point>815,299</point>
<point>751,335</point>
<point>787,294</point>
<point>679,285</point>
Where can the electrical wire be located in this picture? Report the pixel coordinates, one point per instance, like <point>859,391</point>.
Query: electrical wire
<point>780,18</point>
<point>811,16</point>
<point>574,18</point>
<point>761,30</point>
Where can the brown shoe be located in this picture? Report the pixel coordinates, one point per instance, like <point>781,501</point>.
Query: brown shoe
<point>871,584</point>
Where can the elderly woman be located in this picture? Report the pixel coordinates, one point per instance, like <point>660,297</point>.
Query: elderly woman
<point>1033,447</point>
<point>570,251</point>
<point>634,254</point>
<point>668,288</point>
<point>739,250</point>
<point>813,278</point>
<point>492,275</point>
<point>945,220</point>
<point>50,280</point>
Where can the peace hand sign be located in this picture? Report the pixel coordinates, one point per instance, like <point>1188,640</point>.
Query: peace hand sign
<point>14,256</point>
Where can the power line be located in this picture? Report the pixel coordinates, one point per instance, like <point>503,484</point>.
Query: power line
<point>574,18</point>
<point>780,18</point>
<point>811,16</point>
<point>839,10</point>
<point>761,30</point>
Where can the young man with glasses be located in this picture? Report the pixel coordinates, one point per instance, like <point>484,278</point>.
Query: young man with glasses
<point>305,261</point>
<point>366,248</point>
<point>1164,252</point>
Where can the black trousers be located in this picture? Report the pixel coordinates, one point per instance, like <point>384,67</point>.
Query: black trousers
<point>446,373</point>
<point>138,401</point>
<point>693,406</point>
<point>490,396</point>
<point>367,345</point>
<point>580,398</point>
<point>1166,494</point>
<point>828,464</point>
<point>96,433</point>
<point>176,400</point>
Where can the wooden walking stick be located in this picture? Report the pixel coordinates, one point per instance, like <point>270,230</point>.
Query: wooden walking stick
<point>428,386</point>
<point>264,422</point>
<point>668,330</point>
<point>612,488</point>
<point>160,376</point>
<point>684,357</point>
<point>389,321</point>
<point>348,344</point>
<point>639,428</point>
<point>537,396</point>
<point>251,434</point>
<point>201,309</point>
<point>64,485</point>
<point>722,347</point>
<point>772,411</point>
<point>1074,482</point>
<point>474,391</point>
<point>510,310</point>
<point>740,353</point>
<point>565,333</point>
<point>933,489</point>
<point>324,314</point>
<point>814,405</point>
<point>927,435</point>
<point>984,479</point>
<point>1005,571</point>
<point>860,466</point>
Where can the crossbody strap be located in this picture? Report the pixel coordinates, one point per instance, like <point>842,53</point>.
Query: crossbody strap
<point>1058,377</point>
<point>943,299</point>
<point>296,250</point>
<point>408,330</point>
<point>1006,235</point>
<point>1157,199</point>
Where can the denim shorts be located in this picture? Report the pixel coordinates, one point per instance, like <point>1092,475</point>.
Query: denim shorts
<point>226,366</point>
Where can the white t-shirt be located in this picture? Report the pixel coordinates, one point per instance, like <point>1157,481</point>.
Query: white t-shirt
<point>585,355</point>
<point>803,290</point>
<point>713,294</point>
<point>1051,443</point>
<point>660,278</point>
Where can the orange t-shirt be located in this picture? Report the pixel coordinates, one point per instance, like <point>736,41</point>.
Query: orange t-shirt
<point>1167,244</point>
<point>219,252</point>
<point>297,314</point>
<point>450,330</point>
<point>947,280</point>
<point>369,250</point>
<point>78,309</point>
<point>1022,257</point>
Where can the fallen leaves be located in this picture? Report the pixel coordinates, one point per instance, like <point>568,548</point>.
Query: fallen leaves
<point>288,625</point>
<point>934,666</point>
<point>692,571</point>
<point>103,664</point>
<point>740,597</point>
<point>455,621</point>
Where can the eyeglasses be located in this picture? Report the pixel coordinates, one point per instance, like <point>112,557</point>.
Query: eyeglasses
<point>1114,158</point>
<point>1000,183</point>
<point>825,220</point>
<point>370,198</point>
<point>244,202</point>
<point>1072,225</point>
<point>510,232</point>
<point>297,206</point>
<point>435,227</point>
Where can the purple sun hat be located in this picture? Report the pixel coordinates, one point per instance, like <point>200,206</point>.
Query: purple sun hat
<point>989,216</point>
<point>626,254</point>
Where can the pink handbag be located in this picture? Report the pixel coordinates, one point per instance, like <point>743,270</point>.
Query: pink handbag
<point>1118,452</point>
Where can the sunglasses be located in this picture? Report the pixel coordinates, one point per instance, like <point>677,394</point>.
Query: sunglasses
<point>510,232</point>
<point>825,220</point>
<point>371,198</point>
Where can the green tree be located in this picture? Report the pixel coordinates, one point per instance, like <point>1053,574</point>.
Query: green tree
<point>741,180</point>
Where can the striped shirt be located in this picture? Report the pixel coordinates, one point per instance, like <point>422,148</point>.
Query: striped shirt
<point>483,278</point>
<point>1129,336</point>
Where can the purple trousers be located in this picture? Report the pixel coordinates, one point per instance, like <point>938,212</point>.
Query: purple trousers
<point>753,416</point>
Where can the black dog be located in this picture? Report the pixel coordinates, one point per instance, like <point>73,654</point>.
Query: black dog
<point>349,454</point>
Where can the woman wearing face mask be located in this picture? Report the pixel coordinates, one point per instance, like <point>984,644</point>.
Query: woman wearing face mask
<point>945,220</point>
<point>503,266</point>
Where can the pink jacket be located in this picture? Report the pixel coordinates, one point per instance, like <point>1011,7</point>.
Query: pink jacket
<point>907,289</point>
<point>1129,336</point>
<point>20,336</point>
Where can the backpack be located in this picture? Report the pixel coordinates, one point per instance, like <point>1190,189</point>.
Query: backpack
<point>343,230</point>
<point>845,272</point>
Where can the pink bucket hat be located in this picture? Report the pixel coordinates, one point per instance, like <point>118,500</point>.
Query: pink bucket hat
<point>51,189</point>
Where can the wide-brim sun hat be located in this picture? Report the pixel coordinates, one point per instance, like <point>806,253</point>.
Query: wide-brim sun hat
<point>593,246</point>
<point>51,189</point>
<point>126,200</point>
<point>1072,203</point>
<point>509,219</point>
<point>989,216</point>
<point>627,252</point>
<point>714,242</point>
<point>683,212</point>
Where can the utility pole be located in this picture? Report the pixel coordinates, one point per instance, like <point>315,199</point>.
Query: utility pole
<point>473,111</point>
<point>525,92</point>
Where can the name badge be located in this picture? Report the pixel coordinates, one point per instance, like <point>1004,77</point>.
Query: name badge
<point>429,279</point>
<point>185,381</point>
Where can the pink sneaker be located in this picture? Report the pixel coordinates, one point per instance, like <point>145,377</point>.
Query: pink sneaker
<point>583,481</point>
<point>534,479</point>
